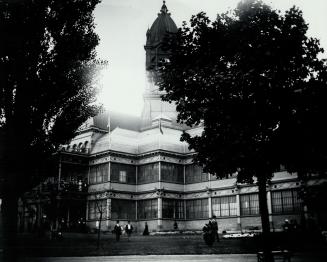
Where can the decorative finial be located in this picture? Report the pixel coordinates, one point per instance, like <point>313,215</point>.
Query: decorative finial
<point>164,8</point>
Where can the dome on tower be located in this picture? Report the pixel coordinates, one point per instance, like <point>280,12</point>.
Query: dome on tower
<point>163,24</point>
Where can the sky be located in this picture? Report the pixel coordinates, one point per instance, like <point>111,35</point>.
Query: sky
<point>122,25</point>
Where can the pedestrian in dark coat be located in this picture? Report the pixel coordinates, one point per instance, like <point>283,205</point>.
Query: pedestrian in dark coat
<point>117,230</point>
<point>214,225</point>
<point>146,230</point>
<point>128,230</point>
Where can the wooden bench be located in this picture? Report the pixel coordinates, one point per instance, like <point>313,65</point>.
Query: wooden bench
<point>284,254</point>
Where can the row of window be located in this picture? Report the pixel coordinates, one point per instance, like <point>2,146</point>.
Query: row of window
<point>282,202</point>
<point>149,173</point>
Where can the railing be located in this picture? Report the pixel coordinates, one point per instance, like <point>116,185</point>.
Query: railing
<point>73,186</point>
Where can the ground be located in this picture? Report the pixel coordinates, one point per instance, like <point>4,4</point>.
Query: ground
<point>74,244</point>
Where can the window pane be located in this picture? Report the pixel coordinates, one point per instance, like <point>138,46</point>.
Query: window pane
<point>147,209</point>
<point>96,207</point>
<point>148,173</point>
<point>249,204</point>
<point>194,174</point>
<point>224,207</point>
<point>286,201</point>
<point>130,171</point>
<point>122,177</point>
<point>254,204</point>
<point>232,206</point>
<point>172,172</point>
<point>297,202</point>
<point>245,205</point>
<point>197,208</point>
<point>276,202</point>
<point>123,209</point>
<point>216,207</point>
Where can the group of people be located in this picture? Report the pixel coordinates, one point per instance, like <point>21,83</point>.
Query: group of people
<point>210,231</point>
<point>118,230</point>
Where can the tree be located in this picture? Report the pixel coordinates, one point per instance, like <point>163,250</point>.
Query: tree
<point>47,89</point>
<point>252,79</point>
<point>101,209</point>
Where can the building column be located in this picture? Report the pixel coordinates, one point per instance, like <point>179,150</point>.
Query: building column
<point>210,206</point>
<point>136,218</point>
<point>109,171</point>
<point>184,202</point>
<point>269,204</point>
<point>87,210</point>
<point>159,175</point>
<point>159,212</point>
<point>159,193</point>
<point>108,211</point>
<point>238,211</point>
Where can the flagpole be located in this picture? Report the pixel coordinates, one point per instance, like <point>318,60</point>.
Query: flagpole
<point>109,131</point>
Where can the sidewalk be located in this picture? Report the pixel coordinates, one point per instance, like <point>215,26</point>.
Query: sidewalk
<point>175,258</point>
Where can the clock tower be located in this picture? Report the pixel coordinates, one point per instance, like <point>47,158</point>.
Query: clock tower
<point>154,107</point>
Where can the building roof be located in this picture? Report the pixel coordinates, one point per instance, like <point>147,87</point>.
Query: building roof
<point>163,24</point>
<point>140,142</point>
<point>117,119</point>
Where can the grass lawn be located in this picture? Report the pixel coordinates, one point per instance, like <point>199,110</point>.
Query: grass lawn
<point>74,244</point>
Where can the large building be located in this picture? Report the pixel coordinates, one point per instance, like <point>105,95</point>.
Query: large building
<point>137,169</point>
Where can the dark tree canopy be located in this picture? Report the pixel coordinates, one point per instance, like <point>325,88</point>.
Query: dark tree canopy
<point>47,88</point>
<point>253,79</point>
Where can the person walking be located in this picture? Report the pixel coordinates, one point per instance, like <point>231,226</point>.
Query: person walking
<point>117,230</point>
<point>214,225</point>
<point>128,230</point>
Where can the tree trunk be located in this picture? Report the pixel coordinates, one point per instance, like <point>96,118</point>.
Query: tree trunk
<point>264,218</point>
<point>9,224</point>
<point>99,230</point>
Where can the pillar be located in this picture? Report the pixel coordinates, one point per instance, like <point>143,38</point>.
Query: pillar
<point>269,204</point>
<point>159,212</point>
<point>108,211</point>
<point>238,212</point>
<point>210,206</point>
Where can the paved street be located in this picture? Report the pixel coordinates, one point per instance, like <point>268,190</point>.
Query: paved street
<point>179,258</point>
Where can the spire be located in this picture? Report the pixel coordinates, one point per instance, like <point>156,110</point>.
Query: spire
<point>164,8</point>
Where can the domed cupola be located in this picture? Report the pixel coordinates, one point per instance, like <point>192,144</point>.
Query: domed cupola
<point>161,26</point>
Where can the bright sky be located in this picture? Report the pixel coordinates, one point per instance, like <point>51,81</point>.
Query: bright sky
<point>122,25</point>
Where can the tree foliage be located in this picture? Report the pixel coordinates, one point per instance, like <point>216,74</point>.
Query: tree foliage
<point>253,79</point>
<point>47,89</point>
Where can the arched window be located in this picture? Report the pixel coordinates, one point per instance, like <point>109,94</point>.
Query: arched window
<point>85,146</point>
<point>74,147</point>
<point>67,148</point>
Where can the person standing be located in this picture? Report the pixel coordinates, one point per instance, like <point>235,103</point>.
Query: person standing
<point>175,225</point>
<point>128,229</point>
<point>214,225</point>
<point>117,230</point>
<point>146,230</point>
